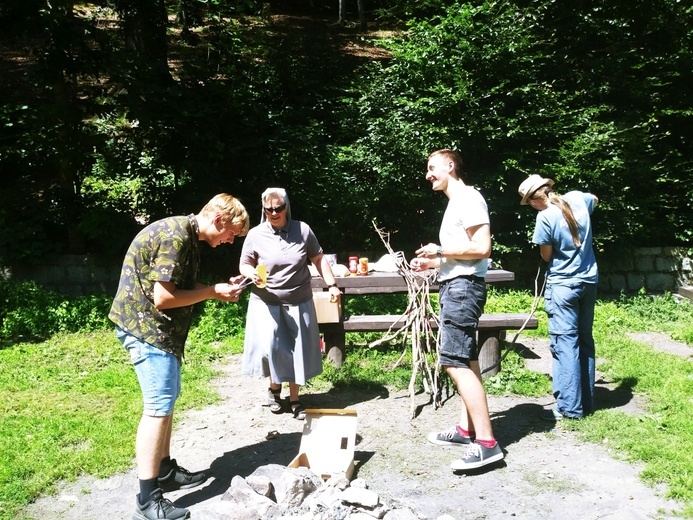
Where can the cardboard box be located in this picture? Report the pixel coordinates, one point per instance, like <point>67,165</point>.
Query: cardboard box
<point>327,443</point>
<point>328,312</point>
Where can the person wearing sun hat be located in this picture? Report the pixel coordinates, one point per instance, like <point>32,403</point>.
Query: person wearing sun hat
<point>563,233</point>
<point>531,185</point>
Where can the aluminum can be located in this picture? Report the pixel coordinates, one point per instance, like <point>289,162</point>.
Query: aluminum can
<point>363,266</point>
<point>354,264</point>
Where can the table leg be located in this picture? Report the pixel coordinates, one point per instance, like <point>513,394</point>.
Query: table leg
<point>334,339</point>
<point>489,351</point>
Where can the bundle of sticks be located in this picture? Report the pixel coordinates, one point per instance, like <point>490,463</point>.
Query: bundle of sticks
<point>417,327</point>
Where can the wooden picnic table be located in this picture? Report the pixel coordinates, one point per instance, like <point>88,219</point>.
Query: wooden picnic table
<point>490,332</point>
<point>388,283</point>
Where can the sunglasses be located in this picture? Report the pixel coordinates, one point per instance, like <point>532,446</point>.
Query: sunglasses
<point>276,209</point>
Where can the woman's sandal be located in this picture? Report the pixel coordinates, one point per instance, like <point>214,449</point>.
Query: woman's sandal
<point>274,400</point>
<point>298,410</point>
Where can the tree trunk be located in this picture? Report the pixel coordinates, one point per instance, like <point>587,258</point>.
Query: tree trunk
<point>63,79</point>
<point>144,25</point>
<point>342,12</point>
<point>362,15</point>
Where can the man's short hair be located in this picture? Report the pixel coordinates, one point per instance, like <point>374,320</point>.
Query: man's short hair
<point>451,155</point>
<point>231,210</point>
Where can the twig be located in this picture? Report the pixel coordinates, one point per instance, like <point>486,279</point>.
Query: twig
<point>416,324</point>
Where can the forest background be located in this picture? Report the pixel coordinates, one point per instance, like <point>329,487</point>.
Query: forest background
<point>117,113</point>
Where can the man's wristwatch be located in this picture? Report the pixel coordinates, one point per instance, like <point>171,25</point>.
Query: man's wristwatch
<point>330,286</point>
<point>439,252</point>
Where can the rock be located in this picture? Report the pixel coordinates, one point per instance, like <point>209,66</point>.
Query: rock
<point>242,494</point>
<point>226,510</point>
<point>359,483</point>
<point>401,514</point>
<point>359,516</point>
<point>339,482</point>
<point>262,485</point>
<point>360,497</point>
<point>291,485</point>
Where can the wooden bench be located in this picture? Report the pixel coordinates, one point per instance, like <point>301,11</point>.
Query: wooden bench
<point>383,322</point>
<point>490,332</point>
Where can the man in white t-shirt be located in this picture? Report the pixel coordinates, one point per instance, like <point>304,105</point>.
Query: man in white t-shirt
<point>462,257</point>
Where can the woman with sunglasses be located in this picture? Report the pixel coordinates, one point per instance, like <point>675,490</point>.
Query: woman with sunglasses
<point>282,340</point>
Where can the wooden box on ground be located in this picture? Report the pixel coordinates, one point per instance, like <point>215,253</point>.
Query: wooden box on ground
<point>327,443</point>
<point>328,312</point>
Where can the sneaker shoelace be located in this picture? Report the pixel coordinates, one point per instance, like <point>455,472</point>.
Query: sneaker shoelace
<point>181,469</point>
<point>185,472</point>
<point>164,505</point>
<point>450,434</point>
<point>473,450</point>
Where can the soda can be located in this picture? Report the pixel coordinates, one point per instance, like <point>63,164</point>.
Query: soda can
<point>331,259</point>
<point>363,266</point>
<point>353,264</point>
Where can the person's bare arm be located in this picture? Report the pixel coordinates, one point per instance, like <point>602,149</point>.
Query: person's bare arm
<point>479,246</point>
<point>323,266</point>
<point>168,296</point>
<point>546,252</point>
<point>247,269</point>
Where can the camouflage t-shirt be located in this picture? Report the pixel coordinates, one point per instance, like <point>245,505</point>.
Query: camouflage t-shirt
<point>165,251</point>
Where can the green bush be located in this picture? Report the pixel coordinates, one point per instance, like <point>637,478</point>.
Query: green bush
<point>30,312</point>
<point>27,311</point>
<point>216,320</point>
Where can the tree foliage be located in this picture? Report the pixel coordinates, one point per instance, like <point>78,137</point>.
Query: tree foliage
<point>591,96</point>
<point>114,115</point>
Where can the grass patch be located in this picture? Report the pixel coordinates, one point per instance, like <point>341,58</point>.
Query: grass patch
<point>67,404</point>
<point>71,405</point>
<point>370,368</point>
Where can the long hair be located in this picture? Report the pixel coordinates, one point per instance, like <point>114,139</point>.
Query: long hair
<point>566,210</point>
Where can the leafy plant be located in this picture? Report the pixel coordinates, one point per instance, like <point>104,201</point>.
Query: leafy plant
<point>30,312</point>
<point>216,320</point>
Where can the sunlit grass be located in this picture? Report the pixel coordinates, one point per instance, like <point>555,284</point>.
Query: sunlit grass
<point>70,406</point>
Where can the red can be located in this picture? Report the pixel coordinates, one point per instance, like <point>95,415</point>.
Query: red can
<point>353,264</point>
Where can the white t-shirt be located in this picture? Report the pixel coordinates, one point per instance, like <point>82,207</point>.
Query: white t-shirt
<point>466,210</point>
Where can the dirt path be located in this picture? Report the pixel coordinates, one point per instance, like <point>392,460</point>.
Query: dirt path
<point>547,472</point>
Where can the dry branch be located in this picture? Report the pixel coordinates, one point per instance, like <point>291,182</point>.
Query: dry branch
<point>416,324</point>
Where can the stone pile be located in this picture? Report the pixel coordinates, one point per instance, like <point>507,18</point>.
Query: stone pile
<point>275,492</point>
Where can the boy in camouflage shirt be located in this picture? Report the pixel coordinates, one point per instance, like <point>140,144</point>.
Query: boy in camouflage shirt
<point>152,310</point>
